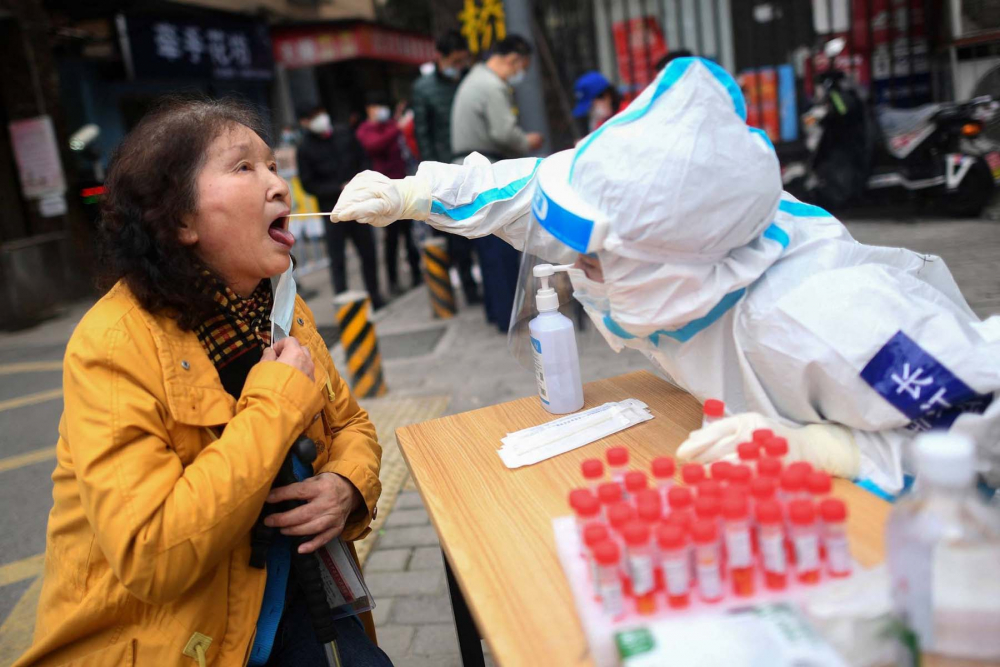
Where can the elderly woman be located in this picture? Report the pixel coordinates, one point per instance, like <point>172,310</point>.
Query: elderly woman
<point>179,412</point>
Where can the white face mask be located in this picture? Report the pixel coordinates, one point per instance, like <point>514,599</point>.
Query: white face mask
<point>321,124</point>
<point>382,114</point>
<point>516,78</point>
<point>451,73</point>
<point>593,296</point>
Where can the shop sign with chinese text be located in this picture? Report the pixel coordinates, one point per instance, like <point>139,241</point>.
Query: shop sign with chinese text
<point>202,48</point>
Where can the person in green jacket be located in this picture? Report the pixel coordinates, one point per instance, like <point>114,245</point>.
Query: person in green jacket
<point>433,95</point>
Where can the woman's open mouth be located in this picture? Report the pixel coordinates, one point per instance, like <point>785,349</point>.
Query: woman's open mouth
<point>278,231</point>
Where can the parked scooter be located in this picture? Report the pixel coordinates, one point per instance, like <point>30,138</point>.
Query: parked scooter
<point>939,150</point>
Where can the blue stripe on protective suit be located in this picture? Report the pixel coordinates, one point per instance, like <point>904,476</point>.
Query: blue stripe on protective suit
<point>763,135</point>
<point>279,563</point>
<point>920,386</point>
<point>802,210</point>
<point>875,489</point>
<point>689,330</point>
<point>670,75</point>
<point>484,199</point>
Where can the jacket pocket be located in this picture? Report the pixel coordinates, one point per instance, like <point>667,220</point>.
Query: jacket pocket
<point>119,654</point>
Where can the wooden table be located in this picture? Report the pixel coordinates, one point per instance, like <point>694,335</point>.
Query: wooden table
<point>495,523</point>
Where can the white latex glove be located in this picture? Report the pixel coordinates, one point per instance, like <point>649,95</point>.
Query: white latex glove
<point>827,447</point>
<point>377,200</point>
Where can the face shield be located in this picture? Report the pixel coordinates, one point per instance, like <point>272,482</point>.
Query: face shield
<point>563,231</point>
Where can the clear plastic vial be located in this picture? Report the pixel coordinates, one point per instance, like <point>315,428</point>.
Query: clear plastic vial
<point>708,560</point>
<point>833,511</point>
<point>593,473</point>
<point>739,554</point>
<point>609,585</point>
<point>943,552</point>
<point>805,538</point>
<point>617,463</point>
<point>664,468</point>
<point>772,544</point>
<point>635,481</point>
<point>674,561</point>
<point>712,411</point>
<point>594,534</point>
<point>641,566</point>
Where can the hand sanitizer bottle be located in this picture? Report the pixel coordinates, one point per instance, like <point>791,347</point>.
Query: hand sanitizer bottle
<point>553,344</point>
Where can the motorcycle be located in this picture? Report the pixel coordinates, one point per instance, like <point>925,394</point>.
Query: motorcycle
<point>939,150</point>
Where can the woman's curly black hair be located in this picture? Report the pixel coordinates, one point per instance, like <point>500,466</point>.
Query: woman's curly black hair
<point>150,187</point>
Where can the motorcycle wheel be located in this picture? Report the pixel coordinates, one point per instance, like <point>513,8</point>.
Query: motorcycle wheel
<point>973,193</point>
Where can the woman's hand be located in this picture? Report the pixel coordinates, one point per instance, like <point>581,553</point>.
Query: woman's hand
<point>288,351</point>
<point>329,500</point>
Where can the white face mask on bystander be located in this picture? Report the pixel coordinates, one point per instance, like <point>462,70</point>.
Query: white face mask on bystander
<point>321,124</point>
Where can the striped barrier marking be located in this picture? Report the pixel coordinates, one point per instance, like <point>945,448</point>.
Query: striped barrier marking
<point>357,337</point>
<point>437,264</point>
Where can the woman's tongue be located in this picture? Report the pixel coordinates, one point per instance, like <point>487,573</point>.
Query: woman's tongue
<point>280,235</point>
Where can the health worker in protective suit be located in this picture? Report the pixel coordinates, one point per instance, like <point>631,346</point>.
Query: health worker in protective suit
<point>686,248</point>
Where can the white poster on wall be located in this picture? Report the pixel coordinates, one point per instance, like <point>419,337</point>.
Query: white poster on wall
<point>37,156</point>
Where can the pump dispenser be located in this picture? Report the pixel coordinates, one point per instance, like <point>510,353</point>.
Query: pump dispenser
<point>553,345</point>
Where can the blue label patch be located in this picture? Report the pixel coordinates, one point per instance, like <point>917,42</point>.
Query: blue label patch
<point>535,344</point>
<point>920,386</point>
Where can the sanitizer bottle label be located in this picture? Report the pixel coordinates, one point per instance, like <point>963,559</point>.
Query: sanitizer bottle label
<point>536,351</point>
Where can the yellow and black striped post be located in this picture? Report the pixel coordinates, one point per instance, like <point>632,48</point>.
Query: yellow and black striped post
<point>436,267</point>
<point>357,337</point>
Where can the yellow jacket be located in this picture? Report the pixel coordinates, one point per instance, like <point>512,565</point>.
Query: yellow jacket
<point>148,540</point>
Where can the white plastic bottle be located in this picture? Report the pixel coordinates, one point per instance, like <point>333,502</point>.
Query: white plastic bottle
<point>553,344</point>
<point>943,547</point>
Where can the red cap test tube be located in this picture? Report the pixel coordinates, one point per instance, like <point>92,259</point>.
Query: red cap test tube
<point>772,544</point>
<point>739,554</point>
<point>617,463</point>
<point>675,561</point>
<point>776,447</point>
<point>635,481</point>
<point>838,555</point>
<point>641,565</point>
<point>664,468</point>
<point>609,585</point>
<point>769,466</point>
<point>708,560</point>
<point>692,473</point>
<point>802,514</point>
<point>593,472</point>
<point>720,471</point>
<point>712,411</point>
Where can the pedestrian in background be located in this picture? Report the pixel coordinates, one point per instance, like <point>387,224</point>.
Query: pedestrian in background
<point>433,97</point>
<point>596,101</point>
<point>327,159</point>
<point>484,120</point>
<point>382,139</point>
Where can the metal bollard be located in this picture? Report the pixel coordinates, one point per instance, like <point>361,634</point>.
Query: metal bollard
<point>357,336</point>
<point>436,267</point>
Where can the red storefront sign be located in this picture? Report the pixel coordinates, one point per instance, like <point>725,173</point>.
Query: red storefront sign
<point>305,47</point>
<point>639,44</point>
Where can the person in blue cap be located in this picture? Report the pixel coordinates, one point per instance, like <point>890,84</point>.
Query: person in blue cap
<point>596,101</point>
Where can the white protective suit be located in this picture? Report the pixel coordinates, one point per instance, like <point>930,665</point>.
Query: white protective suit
<point>740,292</point>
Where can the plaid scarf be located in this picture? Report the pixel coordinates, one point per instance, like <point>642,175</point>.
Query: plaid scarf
<point>235,337</point>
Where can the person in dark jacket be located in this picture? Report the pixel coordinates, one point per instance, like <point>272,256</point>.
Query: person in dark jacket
<point>432,98</point>
<point>381,138</point>
<point>327,159</point>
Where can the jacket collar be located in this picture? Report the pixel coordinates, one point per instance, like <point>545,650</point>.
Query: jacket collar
<point>195,395</point>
